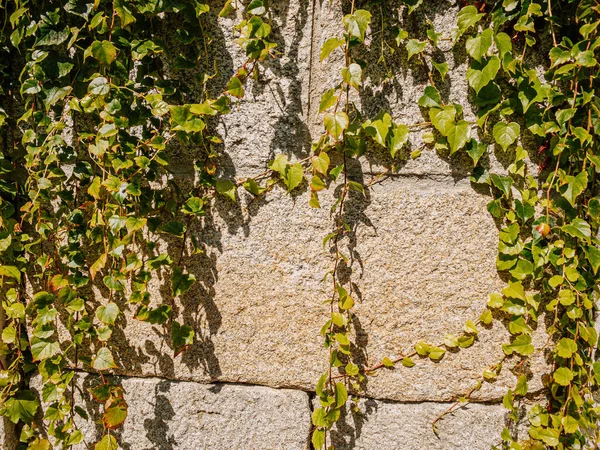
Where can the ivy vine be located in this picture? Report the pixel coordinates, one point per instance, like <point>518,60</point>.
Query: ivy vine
<point>89,111</point>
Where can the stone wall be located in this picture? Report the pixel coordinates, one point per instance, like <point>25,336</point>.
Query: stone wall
<point>424,263</point>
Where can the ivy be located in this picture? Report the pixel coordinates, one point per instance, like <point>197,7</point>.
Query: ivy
<point>88,117</point>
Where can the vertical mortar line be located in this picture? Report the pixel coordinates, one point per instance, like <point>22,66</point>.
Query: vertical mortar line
<point>310,64</point>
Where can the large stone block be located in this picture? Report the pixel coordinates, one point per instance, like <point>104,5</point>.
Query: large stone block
<point>169,415</point>
<point>424,263</point>
<point>407,426</point>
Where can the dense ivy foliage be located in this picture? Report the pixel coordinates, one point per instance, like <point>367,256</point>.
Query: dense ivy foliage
<point>91,112</point>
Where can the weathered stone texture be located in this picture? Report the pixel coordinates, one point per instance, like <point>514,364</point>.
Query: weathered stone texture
<point>170,415</point>
<point>407,426</point>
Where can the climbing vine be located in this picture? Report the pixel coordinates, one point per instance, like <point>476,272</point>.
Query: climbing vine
<point>92,116</point>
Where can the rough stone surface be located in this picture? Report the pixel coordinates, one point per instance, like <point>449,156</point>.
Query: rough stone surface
<point>8,439</point>
<point>407,426</point>
<point>424,263</point>
<point>170,415</point>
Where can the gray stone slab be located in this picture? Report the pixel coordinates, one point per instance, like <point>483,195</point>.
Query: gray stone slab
<point>170,415</point>
<point>407,426</point>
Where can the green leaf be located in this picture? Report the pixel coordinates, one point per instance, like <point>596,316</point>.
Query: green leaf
<point>578,228</point>
<point>387,362</point>
<point>398,139</point>
<point>479,75</point>
<point>341,395</point>
<point>356,24</point>
<point>22,406</point>
<point>293,176</point>
<point>443,119</point>
<point>521,345</point>
<point>506,134</point>
<point>415,47</point>
<point>56,94</point>
<point>328,99</point>
<point>407,362</point>
<point>514,290</point>
<point>430,98</point>
<point>103,360</point>
<point>503,183</point>
<point>521,387</point>
<point>458,135</point>
<point>565,347</point>
<point>108,314</point>
<point>99,86</point>
<point>478,46</point>
<point>181,282</point>
<point>352,75</point>
<point>108,442</point>
<point>182,336</point>
<point>547,435</point>
<point>235,87</point>
<point>593,256</point>
<point>574,186</point>
<point>335,124</point>
<point>115,412</point>
<point>227,188</point>
<point>467,17</point>
<point>330,45</point>
<point>442,68</point>
<point>378,129</point>
<point>475,150</point>
<point>105,52</point>
<point>563,376</point>
<point>318,436</point>
<point>174,228</point>
<point>42,349</point>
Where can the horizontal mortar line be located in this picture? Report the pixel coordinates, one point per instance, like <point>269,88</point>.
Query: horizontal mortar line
<point>531,396</point>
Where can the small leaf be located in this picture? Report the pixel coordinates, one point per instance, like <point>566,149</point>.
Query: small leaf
<point>563,376</point>
<point>414,47</point>
<point>105,52</point>
<point>227,188</point>
<point>430,98</point>
<point>330,45</point>
<point>108,442</point>
<point>108,314</point>
<point>335,124</point>
<point>506,134</point>
<point>181,282</point>
<point>103,360</point>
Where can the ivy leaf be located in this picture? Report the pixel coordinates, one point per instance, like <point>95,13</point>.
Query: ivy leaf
<point>103,360</point>
<point>335,124</point>
<point>99,86</point>
<point>105,52</point>
<point>379,129</point>
<point>503,183</point>
<point>575,185</point>
<point>352,75</point>
<point>407,362</point>
<point>506,134</point>
<point>479,75</point>
<point>182,336</point>
<point>458,135</point>
<point>442,68</point>
<point>547,435</point>
<point>42,349</point>
<point>235,87</point>
<point>430,98</point>
<point>578,228</point>
<point>356,24</point>
<point>563,376</point>
<point>475,150</point>
<point>108,314</point>
<point>398,138</point>
<point>124,13</point>
<point>181,282</point>
<point>415,47</point>
<point>521,345</point>
<point>566,347</point>
<point>227,188</point>
<point>108,442</point>
<point>330,45</point>
<point>593,256</point>
<point>22,406</point>
<point>56,94</point>
<point>328,99</point>
<point>174,228</point>
<point>514,290</point>
<point>443,119</point>
<point>115,412</point>
<point>341,395</point>
<point>478,46</point>
<point>467,17</point>
<point>293,176</point>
